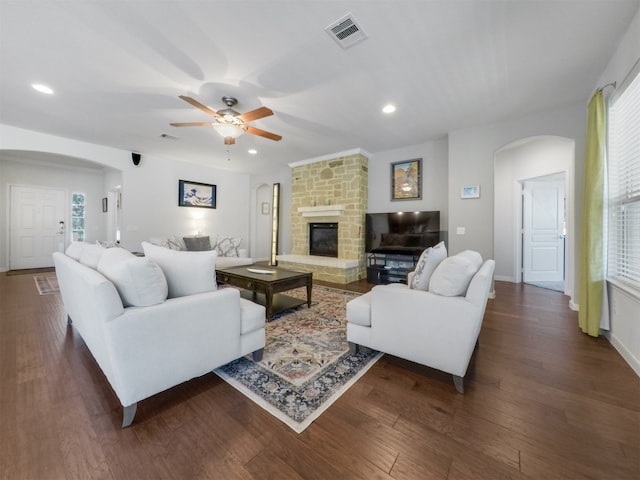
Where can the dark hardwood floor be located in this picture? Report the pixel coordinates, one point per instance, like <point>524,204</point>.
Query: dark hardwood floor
<point>542,401</point>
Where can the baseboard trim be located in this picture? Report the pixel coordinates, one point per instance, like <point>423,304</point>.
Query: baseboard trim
<point>503,278</point>
<point>624,352</point>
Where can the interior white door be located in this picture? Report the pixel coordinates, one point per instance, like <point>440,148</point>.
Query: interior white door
<point>543,231</point>
<point>38,219</point>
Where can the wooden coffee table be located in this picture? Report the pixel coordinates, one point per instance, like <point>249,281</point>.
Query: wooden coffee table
<point>264,288</point>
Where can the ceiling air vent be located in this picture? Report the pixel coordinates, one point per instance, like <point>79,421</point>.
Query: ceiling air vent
<point>346,31</point>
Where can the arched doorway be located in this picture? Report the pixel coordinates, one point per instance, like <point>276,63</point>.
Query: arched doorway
<point>543,158</point>
<point>261,231</point>
<point>49,172</point>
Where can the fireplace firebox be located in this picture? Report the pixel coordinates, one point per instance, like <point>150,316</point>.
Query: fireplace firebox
<point>323,239</point>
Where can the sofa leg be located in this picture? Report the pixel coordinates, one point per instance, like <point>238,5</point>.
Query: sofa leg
<point>257,355</point>
<point>353,348</point>
<point>127,414</point>
<point>459,383</point>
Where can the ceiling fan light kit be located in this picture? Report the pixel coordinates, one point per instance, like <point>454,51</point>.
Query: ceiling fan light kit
<point>229,123</point>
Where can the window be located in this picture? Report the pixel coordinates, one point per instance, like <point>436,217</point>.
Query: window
<point>77,217</point>
<point>624,186</point>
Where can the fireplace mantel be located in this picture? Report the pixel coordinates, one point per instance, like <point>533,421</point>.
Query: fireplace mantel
<point>322,211</point>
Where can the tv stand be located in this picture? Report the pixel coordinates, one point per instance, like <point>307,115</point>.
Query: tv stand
<point>391,266</point>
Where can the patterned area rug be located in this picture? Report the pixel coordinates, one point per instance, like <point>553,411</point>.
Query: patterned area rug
<point>46,284</point>
<point>306,364</point>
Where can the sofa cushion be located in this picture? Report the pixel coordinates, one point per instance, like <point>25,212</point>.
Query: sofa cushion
<point>186,272</point>
<point>74,250</point>
<point>139,280</point>
<point>197,244</point>
<point>227,246</point>
<point>426,265</point>
<point>452,277</point>
<point>91,254</point>
<point>230,262</point>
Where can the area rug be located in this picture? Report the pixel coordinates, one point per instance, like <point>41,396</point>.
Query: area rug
<point>46,285</point>
<point>306,364</point>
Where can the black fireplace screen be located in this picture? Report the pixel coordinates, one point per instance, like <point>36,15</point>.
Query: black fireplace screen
<point>323,239</point>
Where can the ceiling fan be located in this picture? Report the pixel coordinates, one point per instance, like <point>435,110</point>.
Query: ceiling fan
<point>229,123</point>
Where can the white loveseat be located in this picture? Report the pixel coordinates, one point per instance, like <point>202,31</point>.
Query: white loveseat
<point>432,329</point>
<point>143,341</point>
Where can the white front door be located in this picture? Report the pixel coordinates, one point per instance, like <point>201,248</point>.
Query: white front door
<point>543,231</point>
<point>36,228</point>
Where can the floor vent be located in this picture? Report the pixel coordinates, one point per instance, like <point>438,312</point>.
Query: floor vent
<point>346,31</point>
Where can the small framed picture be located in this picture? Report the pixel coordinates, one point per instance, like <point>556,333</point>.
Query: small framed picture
<point>406,180</point>
<point>195,194</point>
<point>470,191</point>
<point>105,204</point>
<point>265,208</point>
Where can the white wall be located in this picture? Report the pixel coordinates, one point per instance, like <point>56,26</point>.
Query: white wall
<point>150,191</point>
<point>624,308</point>
<point>434,179</point>
<point>261,188</point>
<point>534,157</point>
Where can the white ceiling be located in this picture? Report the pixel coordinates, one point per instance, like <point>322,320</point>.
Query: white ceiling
<point>117,68</point>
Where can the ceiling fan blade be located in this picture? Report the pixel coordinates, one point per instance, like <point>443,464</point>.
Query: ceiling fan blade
<point>192,124</point>
<point>255,114</point>
<point>262,133</point>
<point>197,104</point>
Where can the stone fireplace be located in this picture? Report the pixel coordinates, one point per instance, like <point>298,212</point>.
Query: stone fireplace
<point>330,191</point>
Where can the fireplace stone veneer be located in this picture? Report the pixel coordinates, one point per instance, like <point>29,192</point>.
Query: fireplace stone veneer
<point>329,191</point>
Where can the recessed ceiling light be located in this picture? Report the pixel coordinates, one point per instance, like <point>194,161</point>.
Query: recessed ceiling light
<point>389,108</point>
<point>42,88</point>
<point>253,151</point>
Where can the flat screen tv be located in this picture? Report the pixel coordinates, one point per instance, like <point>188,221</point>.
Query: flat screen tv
<point>401,232</point>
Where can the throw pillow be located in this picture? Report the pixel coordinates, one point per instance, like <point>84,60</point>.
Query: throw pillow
<point>174,243</point>
<point>452,277</point>
<point>227,246</point>
<point>473,256</point>
<point>108,243</point>
<point>139,280</point>
<point>186,272</point>
<point>197,244</point>
<point>91,254</point>
<point>426,265</point>
<point>74,250</point>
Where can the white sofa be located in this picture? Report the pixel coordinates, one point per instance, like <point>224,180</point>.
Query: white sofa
<point>161,342</point>
<point>437,330</point>
<point>227,247</point>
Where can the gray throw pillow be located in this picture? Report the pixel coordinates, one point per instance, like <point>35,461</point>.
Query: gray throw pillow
<point>197,244</point>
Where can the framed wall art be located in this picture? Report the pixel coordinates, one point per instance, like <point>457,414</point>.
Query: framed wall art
<point>196,194</point>
<point>406,180</point>
<point>470,191</point>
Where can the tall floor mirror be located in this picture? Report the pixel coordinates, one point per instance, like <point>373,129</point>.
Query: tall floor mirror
<point>275,224</point>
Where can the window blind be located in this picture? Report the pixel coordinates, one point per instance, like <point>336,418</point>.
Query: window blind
<point>623,159</point>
